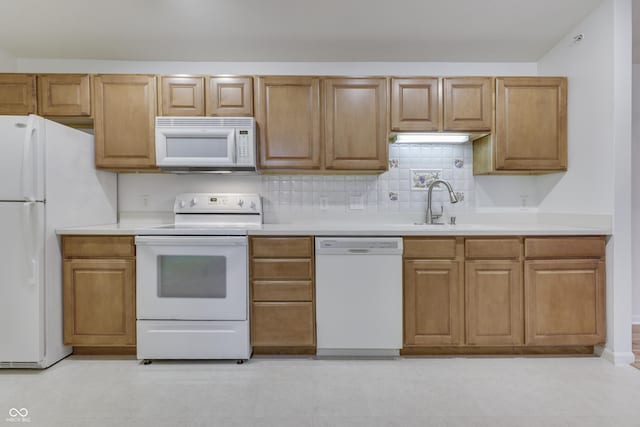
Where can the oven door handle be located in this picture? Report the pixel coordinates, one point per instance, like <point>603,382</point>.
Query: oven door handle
<point>191,241</point>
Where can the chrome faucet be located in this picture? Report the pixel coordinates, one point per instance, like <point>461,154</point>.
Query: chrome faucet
<point>452,196</point>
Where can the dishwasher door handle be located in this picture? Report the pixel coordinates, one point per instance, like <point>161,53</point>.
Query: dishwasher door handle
<point>359,251</point>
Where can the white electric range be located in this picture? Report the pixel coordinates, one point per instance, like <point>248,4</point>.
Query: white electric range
<point>192,279</point>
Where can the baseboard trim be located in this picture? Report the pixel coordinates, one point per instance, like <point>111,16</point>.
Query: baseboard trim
<point>619,358</point>
<point>498,351</point>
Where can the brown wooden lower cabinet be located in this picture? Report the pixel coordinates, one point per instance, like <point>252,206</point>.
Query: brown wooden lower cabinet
<point>505,295</point>
<point>282,295</point>
<point>99,294</point>
<point>282,324</point>
<point>433,298</point>
<point>565,302</point>
<point>99,302</point>
<point>493,303</point>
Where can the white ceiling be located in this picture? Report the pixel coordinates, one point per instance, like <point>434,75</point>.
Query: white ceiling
<point>288,30</point>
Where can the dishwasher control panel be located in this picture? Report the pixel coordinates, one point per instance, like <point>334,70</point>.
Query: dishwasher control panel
<point>359,245</point>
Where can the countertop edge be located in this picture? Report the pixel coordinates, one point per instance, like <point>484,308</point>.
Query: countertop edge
<point>381,230</point>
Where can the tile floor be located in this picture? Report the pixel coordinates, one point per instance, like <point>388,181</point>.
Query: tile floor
<point>304,392</point>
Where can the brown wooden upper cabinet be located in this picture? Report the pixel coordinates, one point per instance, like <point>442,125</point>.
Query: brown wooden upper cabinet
<point>288,120</point>
<point>416,104</point>
<point>181,96</point>
<point>531,123</point>
<point>530,134</point>
<point>17,94</point>
<point>229,96</point>
<point>355,123</point>
<point>64,95</point>
<point>124,123</point>
<point>467,104</point>
<point>431,104</point>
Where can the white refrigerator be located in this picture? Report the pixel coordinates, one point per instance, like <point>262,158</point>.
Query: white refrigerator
<point>47,181</point>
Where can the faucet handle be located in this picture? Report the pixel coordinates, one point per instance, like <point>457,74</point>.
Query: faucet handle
<point>436,216</point>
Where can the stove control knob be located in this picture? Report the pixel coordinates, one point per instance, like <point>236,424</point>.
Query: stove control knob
<point>253,206</point>
<point>181,204</point>
<point>241,203</point>
<point>194,201</point>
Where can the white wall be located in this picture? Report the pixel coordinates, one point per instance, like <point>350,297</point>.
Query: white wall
<point>635,185</point>
<point>599,175</point>
<point>587,185</point>
<point>7,62</point>
<point>27,65</point>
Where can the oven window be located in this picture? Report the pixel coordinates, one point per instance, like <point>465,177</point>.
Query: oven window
<point>213,146</point>
<point>182,276</point>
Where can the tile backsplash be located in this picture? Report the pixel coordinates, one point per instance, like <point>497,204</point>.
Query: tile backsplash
<point>401,188</point>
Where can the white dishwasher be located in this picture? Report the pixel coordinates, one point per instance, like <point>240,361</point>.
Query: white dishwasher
<point>359,296</point>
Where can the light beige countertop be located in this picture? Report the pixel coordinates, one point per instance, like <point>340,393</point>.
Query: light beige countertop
<point>369,229</point>
<point>106,229</point>
<point>425,230</point>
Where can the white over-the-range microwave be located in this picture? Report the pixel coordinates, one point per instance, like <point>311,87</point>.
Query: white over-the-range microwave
<point>206,144</point>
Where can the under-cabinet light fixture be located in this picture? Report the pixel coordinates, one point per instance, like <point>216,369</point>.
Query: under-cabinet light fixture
<point>432,138</point>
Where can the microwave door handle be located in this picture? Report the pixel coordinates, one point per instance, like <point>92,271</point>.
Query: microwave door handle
<point>233,146</point>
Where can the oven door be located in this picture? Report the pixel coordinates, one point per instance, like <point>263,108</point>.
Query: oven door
<point>191,278</point>
<point>195,147</point>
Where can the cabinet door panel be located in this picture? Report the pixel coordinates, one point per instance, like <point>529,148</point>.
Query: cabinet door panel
<point>531,123</point>
<point>468,104</point>
<point>288,119</point>
<point>433,303</point>
<point>230,96</point>
<point>282,324</point>
<point>17,94</point>
<point>99,302</point>
<point>415,104</point>
<point>355,124</point>
<point>181,96</point>
<point>493,293</point>
<point>125,109</point>
<point>64,95</point>
<point>565,302</point>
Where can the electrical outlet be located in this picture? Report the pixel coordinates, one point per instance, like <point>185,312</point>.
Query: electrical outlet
<point>324,203</point>
<point>356,202</point>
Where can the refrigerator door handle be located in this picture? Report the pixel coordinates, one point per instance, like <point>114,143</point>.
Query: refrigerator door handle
<point>28,161</point>
<point>30,243</point>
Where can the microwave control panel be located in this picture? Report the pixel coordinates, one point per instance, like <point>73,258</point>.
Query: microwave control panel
<point>243,144</point>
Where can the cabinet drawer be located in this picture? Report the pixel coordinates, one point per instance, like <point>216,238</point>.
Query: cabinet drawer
<point>430,248</point>
<point>278,269</point>
<point>492,248</point>
<point>98,246</point>
<point>278,290</point>
<point>282,324</point>
<point>564,247</point>
<point>281,247</point>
